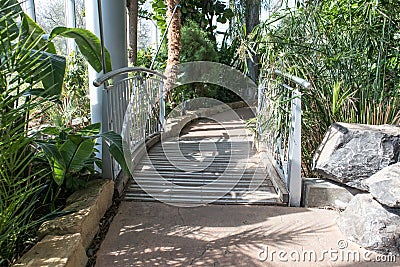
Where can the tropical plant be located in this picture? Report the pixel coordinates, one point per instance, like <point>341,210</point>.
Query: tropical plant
<point>348,50</point>
<point>72,154</point>
<point>73,109</point>
<point>205,14</point>
<point>31,75</point>
<point>23,69</point>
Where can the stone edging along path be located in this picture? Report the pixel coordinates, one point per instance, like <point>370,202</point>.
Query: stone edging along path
<point>64,240</point>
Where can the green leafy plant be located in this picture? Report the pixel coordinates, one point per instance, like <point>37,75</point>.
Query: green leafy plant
<point>73,109</point>
<point>72,154</point>
<point>31,76</point>
<point>22,70</point>
<point>348,50</point>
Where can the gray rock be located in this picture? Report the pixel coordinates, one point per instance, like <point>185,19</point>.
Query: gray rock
<point>351,153</point>
<point>385,185</point>
<point>370,225</point>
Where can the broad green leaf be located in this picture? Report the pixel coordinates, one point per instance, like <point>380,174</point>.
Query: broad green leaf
<point>67,151</point>
<point>56,161</point>
<point>76,155</point>
<point>31,30</point>
<point>59,172</point>
<point>53,76</point>
<point>90,130</point>
<point>82,154</point>
<point>76,138</point>
<point>88,44</point>
<point>119,156</point>
<point>116,148</point>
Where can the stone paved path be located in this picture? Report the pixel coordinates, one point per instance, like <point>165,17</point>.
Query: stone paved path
<point>156,234</point>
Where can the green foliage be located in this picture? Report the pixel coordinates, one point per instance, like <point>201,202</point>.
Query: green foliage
<point>71,155</point>
<point>31,77</point>
<point>21,72</point>
<point>203,13</point>
<point>349,51</point>
<point>88,43</point>
<point>196,45</point>
<point>145,57</point>
<point>159,14</point>
<point>74,103</point>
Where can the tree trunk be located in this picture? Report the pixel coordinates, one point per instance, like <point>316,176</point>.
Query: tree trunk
<point>252,15</point>
<point>133,10</point>
<point>174,45</point>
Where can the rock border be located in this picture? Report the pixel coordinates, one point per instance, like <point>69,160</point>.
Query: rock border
<point>64,240</point>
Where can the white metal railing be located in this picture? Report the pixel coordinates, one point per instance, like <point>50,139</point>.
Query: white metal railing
<point>135,104</point>
<point>279,127</point>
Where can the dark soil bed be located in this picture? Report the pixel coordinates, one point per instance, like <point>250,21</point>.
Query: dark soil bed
<point>104,224</point>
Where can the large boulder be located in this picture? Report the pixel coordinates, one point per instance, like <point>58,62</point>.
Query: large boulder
<point>385,185</point>
<point>370,225</point>
<point>351,153</point>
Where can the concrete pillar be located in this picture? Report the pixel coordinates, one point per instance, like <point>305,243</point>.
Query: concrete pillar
<point>28,6</point>
<point>70,22</point>
<point>114,25</point>
<point>115,31</point>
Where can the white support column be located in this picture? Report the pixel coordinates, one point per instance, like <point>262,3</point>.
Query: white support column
<point>70,22</point>
<point>114,25</point>
<point>295,181</point>
<point>115,31</point>
<point>95,93</point>
<point>28,6</point>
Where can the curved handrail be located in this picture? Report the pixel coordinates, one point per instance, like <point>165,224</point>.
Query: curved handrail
<point>293,78</point>
<point>99,81</point>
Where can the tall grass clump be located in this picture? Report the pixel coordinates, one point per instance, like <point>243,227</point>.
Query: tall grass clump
<point>348,50</point>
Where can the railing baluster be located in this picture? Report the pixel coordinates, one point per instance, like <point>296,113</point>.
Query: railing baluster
<point>282,132</point>
<point>129,104</point>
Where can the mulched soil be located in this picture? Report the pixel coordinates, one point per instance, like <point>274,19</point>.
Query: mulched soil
<point>104,224</point>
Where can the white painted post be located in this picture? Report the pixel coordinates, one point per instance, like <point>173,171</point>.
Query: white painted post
<point>162,107</point>
<point>95,93</point>
<point>70,22</point>
<point>114,28</point>
<point>28,6</point>
<point>294,175</point>
<point>259,103</point>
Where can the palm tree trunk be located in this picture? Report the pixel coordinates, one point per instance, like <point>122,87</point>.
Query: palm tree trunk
<point>174,45</point>
<point>133,10</point>
<point>252,14</point>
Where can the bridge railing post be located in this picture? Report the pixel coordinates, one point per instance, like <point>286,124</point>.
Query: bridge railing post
<point>279,126</point>
<point>162,107</point>
<point>294,164</point>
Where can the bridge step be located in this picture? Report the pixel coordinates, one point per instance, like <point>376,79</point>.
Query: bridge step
<point>198,170</point>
